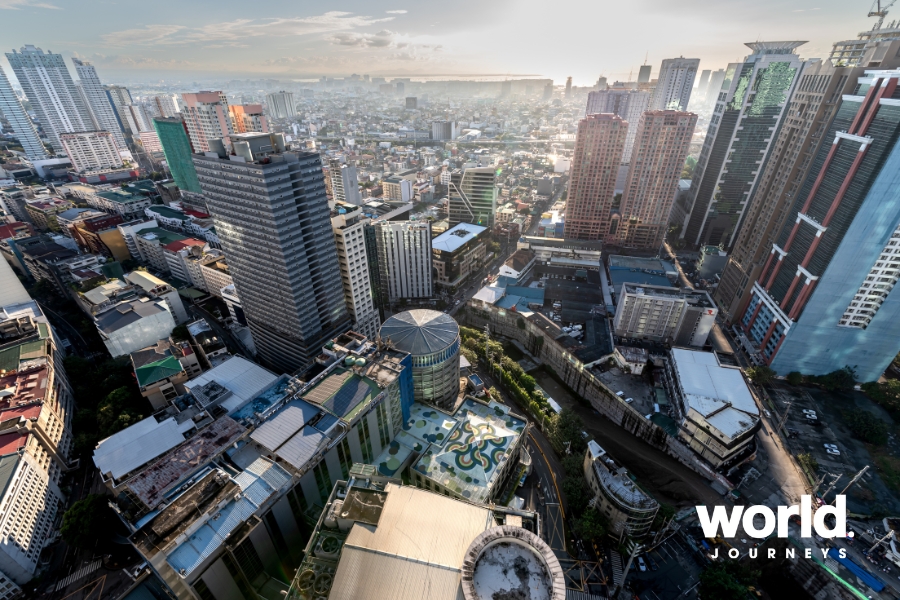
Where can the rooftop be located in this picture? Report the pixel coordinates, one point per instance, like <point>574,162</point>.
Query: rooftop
<point>157,370</point>
<point>127,313</point>
<point>245,379</point>
<point>420,331</point>
<point>164,236</point>
<point>457,236</point>
<point>718,393</point>
<point>135,446</point>
<point>168,213</point>
<point>343,393</point>
<point>616,481</point>
<point>693,297</point>
<point>120,196</point>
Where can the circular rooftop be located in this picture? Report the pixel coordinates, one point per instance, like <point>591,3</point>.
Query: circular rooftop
<point>421,332</point>
<point>511,563</point>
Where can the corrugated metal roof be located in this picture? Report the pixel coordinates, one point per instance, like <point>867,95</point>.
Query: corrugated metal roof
<point>11,289</point>
<point>421,331</point>
<point>415,552</point>
<point>281,426</point>
<point>299,449</point>
<point>245,379</point>
<point>137,445</point>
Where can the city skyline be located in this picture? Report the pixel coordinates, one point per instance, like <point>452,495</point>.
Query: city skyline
<point>402,39</point>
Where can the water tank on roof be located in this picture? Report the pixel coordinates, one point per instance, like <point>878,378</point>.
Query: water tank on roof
<point>360,362</point>
<point>349,361</point>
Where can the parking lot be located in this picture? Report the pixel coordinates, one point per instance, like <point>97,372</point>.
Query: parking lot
<point>633,386</point>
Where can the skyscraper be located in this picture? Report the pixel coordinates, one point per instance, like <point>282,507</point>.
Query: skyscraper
<point>592,182</point>
<point>45,78</point>
<point>716,78</point>
<point>344,184</point>
<point>164,105</point>
<point>176,146</point>
<point>473,196</point>
<point>813,105</point>
<point>644,74</point>
<point>548,91</point>
<point>662,143</point>
<point>625,102</point>
<point>98,102</point>
<point>825,297</point>
<point>281,105</point>
<point>444,130</point>
<point>207,118</point>
<point>22,127</point>
<point>272,216</point>
<point>675,84</point>
<point>703,84</point>
<point>120,98</point>
<point>91,150</point>
<point>404,256</point>
<point>350,240</point>
<point>568,87</point>
<point>729,165</point>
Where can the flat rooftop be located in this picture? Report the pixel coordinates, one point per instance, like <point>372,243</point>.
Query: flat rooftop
<point>456,237</point>
<point>693,297</point>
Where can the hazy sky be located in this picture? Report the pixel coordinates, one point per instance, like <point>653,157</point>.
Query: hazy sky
<point>179,39</point>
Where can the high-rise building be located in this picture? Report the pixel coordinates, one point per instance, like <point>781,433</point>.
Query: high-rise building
<point>473,196</point>
<point>716,79</point>
<point>644,74</point>
<point>662,143</point>
<point>344,184</point>
<point>59,105</point>
<point>22,126</point>
<point>136,120</point>
<point>349,236</point>
<point>568,87</point>
<point>120,98</point>
<point>729,165</point>
<point>207,118</point>
<point>625,102</point>
<point>91,150</point>
<point>548,91</point>
<point>248,118</point>
<point>825,297</point>
<point>704,83</point>
<point>176,146</point>
<point>281,105</point>
<point>404,253</point>
<point>98,102</point>
<point>412,103</point>
<point>813,105</point>
<point>592,178</point>
<point>675,84</point>
<point>272,215</point>
<point>164,105</point>
<point>444,130</point>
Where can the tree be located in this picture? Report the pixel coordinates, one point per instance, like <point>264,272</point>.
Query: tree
<point>866,426</point>
<point>572,466</point>
<point>494,393</point>
<point>886,394</point>
<point>718,582</point>
<point>577,494</point>
<point>87,521</point>
<point>117,411</point>
<point>181,334</point>
<point>761,375</point>
<point>591,525</point>
<point>567,430</point>
<point>794,378</point>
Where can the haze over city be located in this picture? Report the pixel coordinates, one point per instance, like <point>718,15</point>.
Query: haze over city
<point>583,39</point>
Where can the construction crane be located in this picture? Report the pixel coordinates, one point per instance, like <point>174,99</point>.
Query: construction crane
<point>880,10</point>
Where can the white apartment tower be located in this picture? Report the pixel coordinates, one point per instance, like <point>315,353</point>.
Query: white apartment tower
<point>404,259</point>
<point>21,123</point>
<point>91,150</point>
<point>164,105</point>
<point>98,102</point>
<point>350,239</point>
<point>53,95</point>
<point>281,105</point>
<point>344,184</point>
<point>675,83</point>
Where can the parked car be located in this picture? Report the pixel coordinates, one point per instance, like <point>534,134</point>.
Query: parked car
<point>629,400</point>
<point>767,413</point>
<point>641,564</point>
<point>833,451</point>
<point>653,565</point>
<point>620,394</point>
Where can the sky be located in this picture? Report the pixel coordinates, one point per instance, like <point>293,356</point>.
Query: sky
<point>173,40</point>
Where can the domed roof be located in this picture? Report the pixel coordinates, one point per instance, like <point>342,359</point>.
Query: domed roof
<point>420,331</point>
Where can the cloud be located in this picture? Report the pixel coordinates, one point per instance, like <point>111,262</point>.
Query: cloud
<point>17,4</point>
<point>382,39</point>
<point>396,12</point>
<point>805,10</point>
<point>236,33</point>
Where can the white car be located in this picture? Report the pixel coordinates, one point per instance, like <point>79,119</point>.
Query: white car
<point>832,451</point>
<point>620,394</point>
<point>629,400</point>
<point>807,411</point>
<point>641,564</point>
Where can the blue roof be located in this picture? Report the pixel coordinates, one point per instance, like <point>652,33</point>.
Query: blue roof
<point>258,483</point>
<point>533,294</point>
<point>621,276</point>
<point>72,213</point>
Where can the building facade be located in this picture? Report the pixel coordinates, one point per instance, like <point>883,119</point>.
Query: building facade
<point>678,316</point>
<point>663,139</point>
<point>91,150</point>
<point>458,253</point>
<point>176,146</point>
<point>675,84</point>
<point>403,251</point>
<point>98,102</point>
<point>746,120</point>
<point>344,184</point>
<point>207,117</point>
<point>349,237</point>
<point>272,215</point>
<point>281,105</point>
<point>625,102</point>
<point>625,506</point>
<point>824,299</point>
<point>473,196</point>
<point>813,105</point>
<point>21,123</point>
<point>248,118</point>
<point>59,106</point>
<point>599,144</point>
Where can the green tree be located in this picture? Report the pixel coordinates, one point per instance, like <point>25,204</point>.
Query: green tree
<point>866,426</point>
<point>87,521</point>
<point>117,411</point>
<point>573,466</point>
<point>591,525</point>
<point>577,494</point>
<point>886,394</point>
<point>181,334</point>
<point>720,581</point>
<point>567,430</point>
<point>761,375</point>
<point>494,393</point>
<point>794,378</point>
